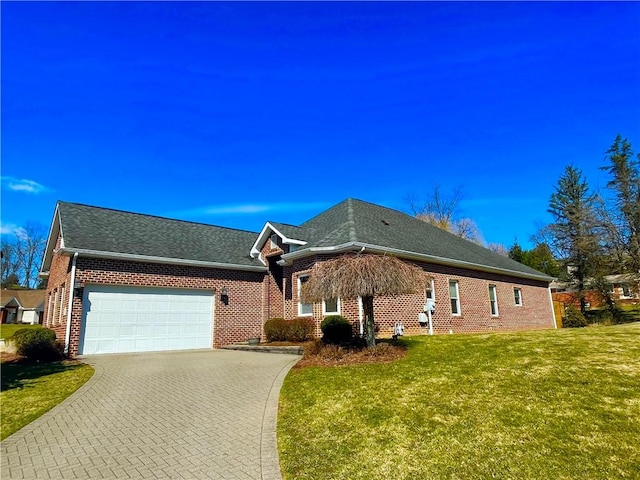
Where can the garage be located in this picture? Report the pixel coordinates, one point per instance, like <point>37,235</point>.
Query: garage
<point>136,319</point>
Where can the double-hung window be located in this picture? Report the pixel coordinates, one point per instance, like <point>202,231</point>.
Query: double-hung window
<point>331,306</point>
<point>517,296</point>
<point>304,309</point>
<point>493,300</point>
<point>454,295</point>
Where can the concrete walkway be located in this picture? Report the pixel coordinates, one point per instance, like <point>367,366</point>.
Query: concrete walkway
<point>178,415</point>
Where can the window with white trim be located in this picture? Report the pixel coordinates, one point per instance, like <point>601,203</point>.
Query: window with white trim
<point>517,296</point>
<point>331,306</point>
<point>493,300</point>
<point>49,310</point>
<point>62,289</point>
<point>304,309</point>
<point>55,307</point>
<point>625,291</point>
<point>454,295</point>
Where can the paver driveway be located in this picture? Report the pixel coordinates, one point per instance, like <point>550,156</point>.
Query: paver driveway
<point>179,415</point>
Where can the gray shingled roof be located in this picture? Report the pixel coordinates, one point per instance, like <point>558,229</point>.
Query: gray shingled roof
<point>103,230</point>
<point>290,231</point>
<point>362,222</point>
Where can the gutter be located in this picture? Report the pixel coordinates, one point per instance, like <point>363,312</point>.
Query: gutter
<point>288,258</point>
<point>67,335</point>
<point>164,260</point>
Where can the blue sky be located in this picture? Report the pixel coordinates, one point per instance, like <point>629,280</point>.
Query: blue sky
<point>237,113</point>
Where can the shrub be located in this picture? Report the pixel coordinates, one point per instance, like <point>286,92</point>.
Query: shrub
<point>573,318</point>
<point>300,329</point>
<point>336,329</point>
<point>275,329</point>
<point>38,345</point>
<point>297,330</point>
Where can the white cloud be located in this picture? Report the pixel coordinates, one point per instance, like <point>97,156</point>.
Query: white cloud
<point>12,229</point>
<point>250,209</point>
<point>23,185</point>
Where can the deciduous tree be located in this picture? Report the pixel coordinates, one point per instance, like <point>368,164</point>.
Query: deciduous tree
<point>442,211</point>
<point>365,276</point>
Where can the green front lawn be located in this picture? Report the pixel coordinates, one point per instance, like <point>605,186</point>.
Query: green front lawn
<point>30,390</point>
<point>555,404</point>
<point>8,329</point>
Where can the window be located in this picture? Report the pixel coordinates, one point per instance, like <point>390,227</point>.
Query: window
<point>517,295</point>
<point>62,289</point>
<point>454,294</point>
<point>493,300</point>
<point>304,309</point>
<point>274,241</point>
<point>49,310</point>
<point>626,291</point>
<point>331,306</point>
<point>55,307</point>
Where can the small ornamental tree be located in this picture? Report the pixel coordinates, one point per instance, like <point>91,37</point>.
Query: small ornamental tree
<point>365,276</point>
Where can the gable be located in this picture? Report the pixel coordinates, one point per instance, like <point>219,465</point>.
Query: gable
<point>282,231</point>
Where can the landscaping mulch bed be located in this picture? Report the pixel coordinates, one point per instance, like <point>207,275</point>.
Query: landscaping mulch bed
<point>320,355</point>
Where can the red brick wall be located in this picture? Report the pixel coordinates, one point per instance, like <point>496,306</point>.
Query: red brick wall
<point>534,313</point>
<point>274,306</point>
<point>59,275</point>
<point>241,319</point>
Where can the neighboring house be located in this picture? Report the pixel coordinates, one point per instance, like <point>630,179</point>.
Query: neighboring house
<point>126,282</point>
<point>22,306</point>
<point>623,288</point>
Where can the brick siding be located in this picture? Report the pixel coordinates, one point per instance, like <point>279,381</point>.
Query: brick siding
<point>534,313</point>
<point>241,319</point>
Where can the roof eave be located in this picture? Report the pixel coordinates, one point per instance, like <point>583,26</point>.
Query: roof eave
<point>262,237</point>
<point>353,246</point>
<point>52,238</point>
<point>164,260</point>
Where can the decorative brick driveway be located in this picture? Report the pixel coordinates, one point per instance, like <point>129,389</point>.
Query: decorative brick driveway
<point>178,415</point>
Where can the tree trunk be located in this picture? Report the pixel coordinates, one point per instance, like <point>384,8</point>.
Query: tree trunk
<point>369,325</point>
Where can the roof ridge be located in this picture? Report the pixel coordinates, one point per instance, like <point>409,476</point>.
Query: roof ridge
<point>155,216</point>
<point>351,221</point>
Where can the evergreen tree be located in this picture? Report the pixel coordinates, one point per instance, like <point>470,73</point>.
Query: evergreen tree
<point>574,230</point>
<point>623,217</point>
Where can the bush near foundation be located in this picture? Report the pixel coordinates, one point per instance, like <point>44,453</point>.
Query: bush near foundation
<point>39,345</point>
<point>336,329</point>
<point>275,329</point>
<point>299,329</point>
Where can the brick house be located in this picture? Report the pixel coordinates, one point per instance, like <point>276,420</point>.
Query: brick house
<point>21,306</point>
<point>127,282</point>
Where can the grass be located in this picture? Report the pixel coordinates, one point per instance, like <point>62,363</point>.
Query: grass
<point>8,329</point>
<point>549,404</point>
<point>30,390</point>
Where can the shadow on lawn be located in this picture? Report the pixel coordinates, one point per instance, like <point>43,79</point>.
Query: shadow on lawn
<point>15,374</point>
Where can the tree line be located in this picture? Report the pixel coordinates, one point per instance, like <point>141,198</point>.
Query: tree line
<point>597,234</point>
<point>22,255</point>
<point>592,234</point>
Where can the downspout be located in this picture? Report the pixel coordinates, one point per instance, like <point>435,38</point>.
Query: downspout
<point>67,336</point>
<point>360,310</point>
<point>553,310</point>
<point>360,315</point>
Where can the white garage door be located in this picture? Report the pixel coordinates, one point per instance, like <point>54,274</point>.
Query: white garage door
<point>131,319</point>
